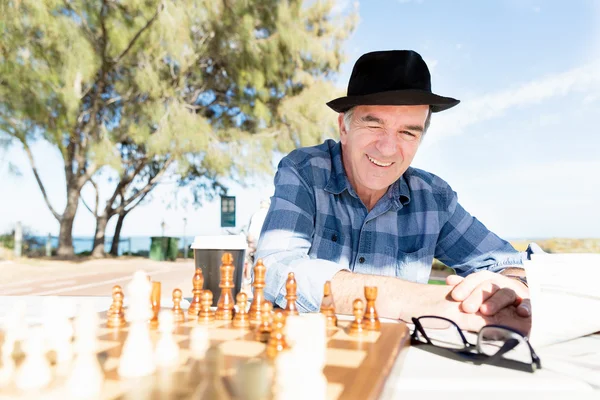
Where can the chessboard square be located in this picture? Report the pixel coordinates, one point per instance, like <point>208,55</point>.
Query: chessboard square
<point>104,331</point>
<point>367,337</point>
<point>334,390</point>
<point>113,389</point>
<point>105,345</point>
<point>226,334</point>
<point>110,364</point>
<point>189,323</point>
<point>344,358</point>
<point>242,348</point>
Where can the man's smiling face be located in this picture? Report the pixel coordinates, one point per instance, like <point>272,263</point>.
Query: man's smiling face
<point>379,145</point>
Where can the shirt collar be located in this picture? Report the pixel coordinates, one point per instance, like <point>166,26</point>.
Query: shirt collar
<point>398,193</point>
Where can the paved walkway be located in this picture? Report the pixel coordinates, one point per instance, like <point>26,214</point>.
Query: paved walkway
<point>91,277</point>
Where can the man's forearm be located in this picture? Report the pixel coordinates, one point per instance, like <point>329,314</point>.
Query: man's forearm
<point>396,298</point>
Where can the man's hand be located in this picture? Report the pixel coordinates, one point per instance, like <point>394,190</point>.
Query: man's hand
<point>488,293</point>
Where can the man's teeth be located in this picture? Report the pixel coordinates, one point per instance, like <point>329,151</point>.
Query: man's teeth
<point>379,163</point>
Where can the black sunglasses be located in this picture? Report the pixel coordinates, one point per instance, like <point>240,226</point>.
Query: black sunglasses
<point>496,345</point>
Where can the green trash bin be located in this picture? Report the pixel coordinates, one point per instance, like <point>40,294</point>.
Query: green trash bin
<point>158,248</point>
<point>173,249</point>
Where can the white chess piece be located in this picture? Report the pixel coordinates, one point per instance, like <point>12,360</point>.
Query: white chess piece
<point>13,331</point>
<point>59,333</point>
<point>34,372</point>
<point>199,342</point>
<point>137,357</point>
<point>87,377</point>
<point>167,349</point>
<point>7,370</point>
<point>307,336</point>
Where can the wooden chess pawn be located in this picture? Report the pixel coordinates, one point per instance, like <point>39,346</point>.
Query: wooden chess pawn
<point>225,304</point>
<point>116,314</point>
<point>277,342</point>
<point>371,319</point>
<point>178,313</point>
<point>328,306</point>
<point>263,331</point>
<point>197,284</point>
<point>240,320</point>
<point>206,315</point>
<point>254,314</point>
<point>155,302</point>
<point>291,287</point>
<point>357,327</point>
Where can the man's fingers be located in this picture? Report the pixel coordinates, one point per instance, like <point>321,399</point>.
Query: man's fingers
<point>502,298</point>
<point>468,285</point>
<point>524,309</point>
<point>478,296</point>
<point>453,280</point>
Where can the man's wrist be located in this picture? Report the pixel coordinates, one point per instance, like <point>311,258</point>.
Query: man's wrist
<point>521,279</point>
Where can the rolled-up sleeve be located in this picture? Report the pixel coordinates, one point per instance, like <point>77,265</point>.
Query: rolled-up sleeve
<point>286,239</point>
<point>467,246</point>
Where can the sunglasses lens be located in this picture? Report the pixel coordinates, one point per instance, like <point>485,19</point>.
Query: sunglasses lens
<point>442,333</point>
<point>491,340</point>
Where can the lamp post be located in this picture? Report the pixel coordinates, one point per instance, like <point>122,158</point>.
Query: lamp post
<point>185,249</point>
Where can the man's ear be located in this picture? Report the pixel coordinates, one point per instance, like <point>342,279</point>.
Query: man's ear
<point>342,128</point>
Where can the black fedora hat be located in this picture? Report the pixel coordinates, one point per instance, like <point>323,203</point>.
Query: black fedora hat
<point>392,78</point>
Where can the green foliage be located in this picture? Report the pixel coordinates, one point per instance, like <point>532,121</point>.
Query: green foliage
<point>212,87</point>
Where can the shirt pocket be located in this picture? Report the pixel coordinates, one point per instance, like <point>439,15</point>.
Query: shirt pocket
<point>330,245</point>
<point>412,266</point>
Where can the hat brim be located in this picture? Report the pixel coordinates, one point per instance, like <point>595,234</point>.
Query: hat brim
<point>394,98</point>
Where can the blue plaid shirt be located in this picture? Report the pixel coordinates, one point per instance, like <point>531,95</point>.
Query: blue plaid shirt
<point>317,226</point>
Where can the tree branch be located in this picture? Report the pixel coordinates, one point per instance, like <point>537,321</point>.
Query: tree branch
<point>95,212</point>
<point>138,34</point>
<point>124,183</point>
<point>39,181</point>
<point>150,183</point>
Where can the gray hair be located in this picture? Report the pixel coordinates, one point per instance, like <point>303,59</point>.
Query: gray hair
<point>349,114</point>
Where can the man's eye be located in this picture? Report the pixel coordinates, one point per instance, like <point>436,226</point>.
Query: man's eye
<point>407,133</point>
<point>374,127</point>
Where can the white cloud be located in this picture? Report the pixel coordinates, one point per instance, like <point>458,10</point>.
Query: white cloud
<point>492,105</point>
<point>342,6</point>
<point>590,98</point>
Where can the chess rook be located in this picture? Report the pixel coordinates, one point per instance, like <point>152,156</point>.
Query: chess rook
<point>116,314</point>
<point>254,314</point>
<point>178,313</point>
<point>328,306</point>
<point>240,320</point>
<point>206,315</point>
<point>357,327</point>
<point>371,319</point>
<point>197,284</point>
<point>291,287</point>
<point>225,304</point>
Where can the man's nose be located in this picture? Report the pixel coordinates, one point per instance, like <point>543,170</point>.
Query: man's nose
<point>388,144</point>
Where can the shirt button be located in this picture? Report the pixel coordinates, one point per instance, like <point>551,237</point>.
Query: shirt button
<point>361,260</point>
<point>334,238</point>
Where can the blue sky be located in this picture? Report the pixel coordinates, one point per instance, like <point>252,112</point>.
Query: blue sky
<point>522,149</point>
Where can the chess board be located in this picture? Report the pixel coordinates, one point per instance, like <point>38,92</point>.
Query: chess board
<point>356,367</point>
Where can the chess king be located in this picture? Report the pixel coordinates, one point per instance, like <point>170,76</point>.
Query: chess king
<point>354,212</point>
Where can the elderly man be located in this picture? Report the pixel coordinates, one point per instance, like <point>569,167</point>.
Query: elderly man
<point>355,213</point>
